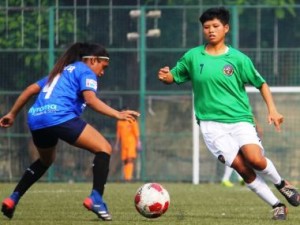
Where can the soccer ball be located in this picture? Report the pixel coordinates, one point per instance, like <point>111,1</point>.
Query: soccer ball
<point>152,200</point>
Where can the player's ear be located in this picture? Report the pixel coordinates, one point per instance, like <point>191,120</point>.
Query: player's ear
<point>227,28</point>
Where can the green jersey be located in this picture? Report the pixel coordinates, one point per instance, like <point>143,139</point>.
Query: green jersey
<point>219,84</point>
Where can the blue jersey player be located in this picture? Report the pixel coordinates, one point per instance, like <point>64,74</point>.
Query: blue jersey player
<point>61,98</point>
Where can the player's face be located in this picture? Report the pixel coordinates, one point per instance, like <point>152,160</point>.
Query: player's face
<point>99,65</point>
<point>214,31</point>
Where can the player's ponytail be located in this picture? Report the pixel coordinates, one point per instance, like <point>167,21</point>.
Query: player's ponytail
<point>73,53</point>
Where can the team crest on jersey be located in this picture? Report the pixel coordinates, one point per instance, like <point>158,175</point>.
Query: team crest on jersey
<point>91,83</point>
<point>228,70</point>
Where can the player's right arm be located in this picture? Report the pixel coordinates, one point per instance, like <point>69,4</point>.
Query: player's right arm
<point>8,119</point>
<point>165,76</point>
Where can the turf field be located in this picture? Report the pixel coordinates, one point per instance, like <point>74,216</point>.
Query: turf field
<point>205,204</point>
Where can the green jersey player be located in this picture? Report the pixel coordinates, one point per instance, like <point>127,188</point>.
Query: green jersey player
<point>219,74</point>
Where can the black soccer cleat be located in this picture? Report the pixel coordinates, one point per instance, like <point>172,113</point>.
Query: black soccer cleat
<point>279,212</point>
<point>8,207</point>
<point>289,192</point>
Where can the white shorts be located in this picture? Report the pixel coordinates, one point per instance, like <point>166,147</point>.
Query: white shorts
<point>224,140</point>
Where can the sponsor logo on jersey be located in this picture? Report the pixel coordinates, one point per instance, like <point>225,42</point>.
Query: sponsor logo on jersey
<point>91,83</point>
<point>228,70</point>
<point>49,108</point>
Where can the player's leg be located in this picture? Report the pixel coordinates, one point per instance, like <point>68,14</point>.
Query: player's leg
<point>80,134</point>
<point>255,183</point>
<point>266,168</point>
<point>102,150</point>
<point>76,132</point>
<point>124,158</point>
<point>226,177</point>
<point>91,140</point>
<point>224,141</point>
<point>131,156</point>
<point>42,140</point>
<point>253,153</point>
<point>129,167</point>
<point>240,179</point>
<point>36,169</point>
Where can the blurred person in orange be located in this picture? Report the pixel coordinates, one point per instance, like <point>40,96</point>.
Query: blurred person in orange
<point>128,141</point>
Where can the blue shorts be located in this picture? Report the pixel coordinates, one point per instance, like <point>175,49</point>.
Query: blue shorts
<point>68,131</point>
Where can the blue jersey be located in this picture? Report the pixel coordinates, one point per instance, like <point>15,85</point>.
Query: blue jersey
<point>62,100</point>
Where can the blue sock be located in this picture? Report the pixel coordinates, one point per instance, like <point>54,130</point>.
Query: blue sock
<point>15,196</point>
<point>96,197</point>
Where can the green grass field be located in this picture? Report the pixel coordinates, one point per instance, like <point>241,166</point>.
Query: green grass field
<point>204,204</point>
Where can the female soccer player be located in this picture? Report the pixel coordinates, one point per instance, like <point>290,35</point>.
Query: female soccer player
<point>62,97</point>
<point>219,74</point>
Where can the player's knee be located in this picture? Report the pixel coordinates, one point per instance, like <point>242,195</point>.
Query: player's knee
<point>107,148</point>
<point>247,174</point>
<point>258,163</point>
<point>47,155</point>
<point>47,161</point>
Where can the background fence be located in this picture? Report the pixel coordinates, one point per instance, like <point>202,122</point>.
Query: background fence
<point>32,36</point>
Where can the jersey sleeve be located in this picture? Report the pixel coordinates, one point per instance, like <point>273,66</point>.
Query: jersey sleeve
<point>88,81</point>
<point>251,75</point>
<point>42,82</point>
<point>180,72</point>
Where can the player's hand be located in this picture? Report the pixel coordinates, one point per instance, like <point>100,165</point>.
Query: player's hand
<point>277,119</point>
<point>7,120</point>
<point>165,76</point>
<point>128,115</point>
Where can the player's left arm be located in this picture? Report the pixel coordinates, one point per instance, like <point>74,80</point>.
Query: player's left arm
<point>99,106</point>
<point>274,116</point>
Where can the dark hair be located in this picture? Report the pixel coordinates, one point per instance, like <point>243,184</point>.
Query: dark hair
<point>75,53</point>
<point>219,13</point>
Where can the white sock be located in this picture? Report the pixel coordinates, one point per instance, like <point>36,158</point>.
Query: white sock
<point>227,173</point>
<point>270,173</point>
<point>260,187</point>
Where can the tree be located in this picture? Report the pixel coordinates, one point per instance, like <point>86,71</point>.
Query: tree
<point>24,29</point>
